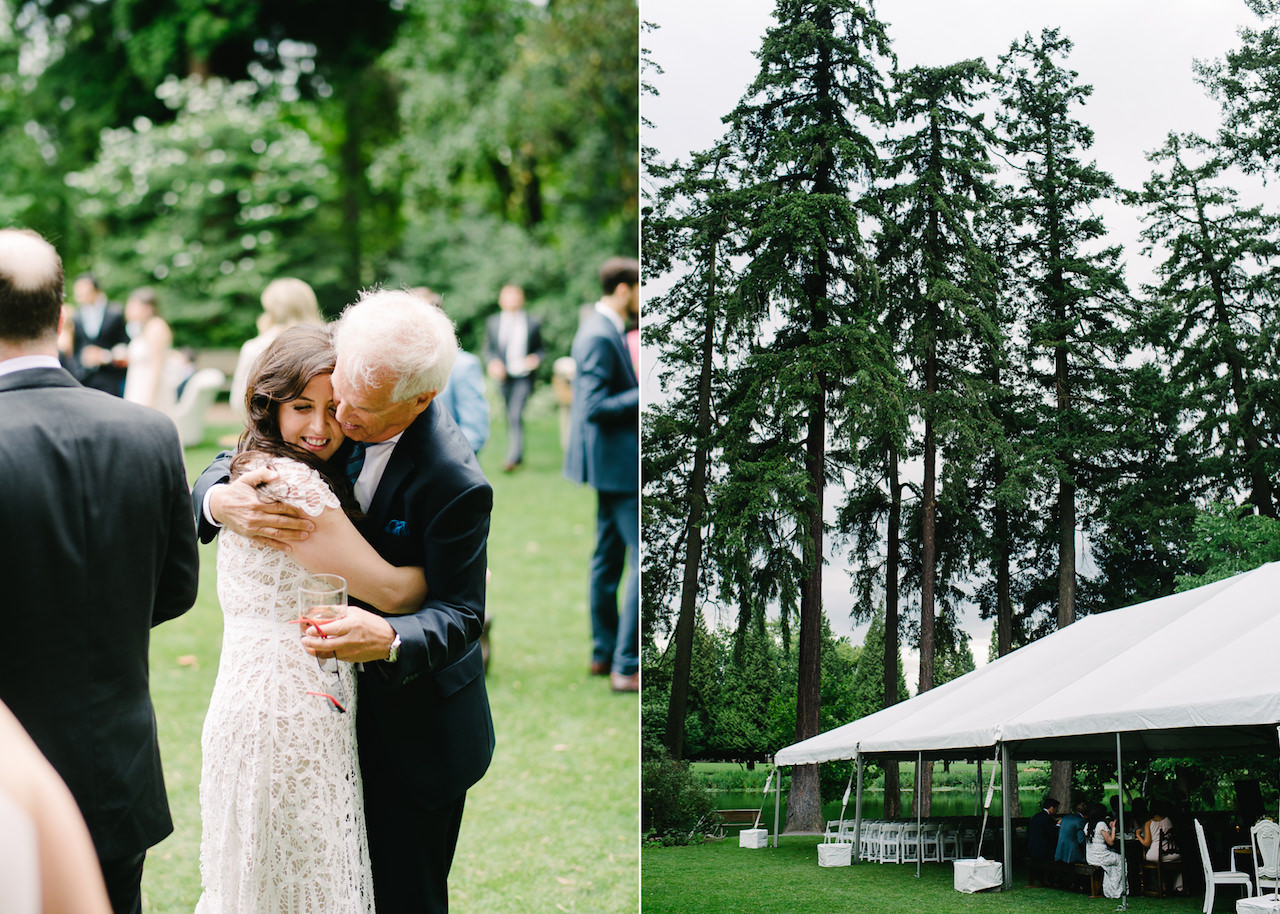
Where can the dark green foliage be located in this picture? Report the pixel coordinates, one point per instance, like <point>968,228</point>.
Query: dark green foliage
<point>672,800</point>
<point>464,145</point>
<point>1227,540</point>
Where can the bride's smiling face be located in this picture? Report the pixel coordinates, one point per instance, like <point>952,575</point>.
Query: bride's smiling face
<point>309,421</point>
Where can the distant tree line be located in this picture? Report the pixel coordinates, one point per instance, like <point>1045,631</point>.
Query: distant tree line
<point>890,292</point>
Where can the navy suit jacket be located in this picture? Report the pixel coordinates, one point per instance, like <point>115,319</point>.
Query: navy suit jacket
<point>97,546</point>
<point>604,424</point>
<point>424,720</point>
<point>112,333</point>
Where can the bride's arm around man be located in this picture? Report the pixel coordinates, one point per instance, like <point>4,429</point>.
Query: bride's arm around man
<point>424,726</point>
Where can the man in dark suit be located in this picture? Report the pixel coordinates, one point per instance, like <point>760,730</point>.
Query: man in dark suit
<point>604,452</point>
<point>513,352</point>
<point>424,727</point>
<point>99,337</point>
<point>97,546</point>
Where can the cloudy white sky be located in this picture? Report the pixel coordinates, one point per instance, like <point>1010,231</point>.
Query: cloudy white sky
<point>1137,55</point>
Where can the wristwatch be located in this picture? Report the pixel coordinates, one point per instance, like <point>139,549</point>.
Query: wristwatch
<point>394,655</point>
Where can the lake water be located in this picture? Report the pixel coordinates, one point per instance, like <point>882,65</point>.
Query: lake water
<point>946,802</point>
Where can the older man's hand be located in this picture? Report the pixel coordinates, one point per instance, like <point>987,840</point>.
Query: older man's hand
<point>241,507</point>
<point>358,637</point>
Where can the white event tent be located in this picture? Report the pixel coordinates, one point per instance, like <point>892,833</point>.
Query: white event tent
<point>1193,673</point>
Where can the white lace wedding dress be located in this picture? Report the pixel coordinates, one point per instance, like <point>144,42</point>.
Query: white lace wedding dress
<point>280,797</point>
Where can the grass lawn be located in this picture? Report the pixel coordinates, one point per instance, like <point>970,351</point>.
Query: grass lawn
<point>554,825</point>
<point>721,877</point>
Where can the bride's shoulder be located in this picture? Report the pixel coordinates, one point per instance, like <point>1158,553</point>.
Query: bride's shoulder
<point>296,483</point>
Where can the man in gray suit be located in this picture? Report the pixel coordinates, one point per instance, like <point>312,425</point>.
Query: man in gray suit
<point>97,546</point>
<point>604,452</point>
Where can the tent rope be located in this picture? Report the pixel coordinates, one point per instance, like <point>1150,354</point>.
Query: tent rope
<point>986,805</point>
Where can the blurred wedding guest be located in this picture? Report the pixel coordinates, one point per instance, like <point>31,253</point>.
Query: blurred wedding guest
<point>47,864</point>
<point>463,396</point>
<point>1100,837</point>
<point>1156,835</point>
<point>98,541</point>
<point>1071,839</point>
<point>149,378</point>
<point>285,303</point>
<point>101,337</point>
<point>604,452</point>
<point>513,352</point>
<point>1042,831</point>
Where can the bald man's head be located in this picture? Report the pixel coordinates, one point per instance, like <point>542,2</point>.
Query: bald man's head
<point>30,287</point>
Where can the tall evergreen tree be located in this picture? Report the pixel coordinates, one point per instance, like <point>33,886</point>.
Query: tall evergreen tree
<point>809,282</point>
<point>1245,83</point>
<point>939,286</point>
<point>685,232</point>
<point>1076,295</point>
<point>1214,314</point>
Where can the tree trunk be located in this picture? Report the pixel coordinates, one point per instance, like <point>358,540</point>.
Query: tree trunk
<point>678,701</point>
<point>892,785</point>
<point>804,804</point>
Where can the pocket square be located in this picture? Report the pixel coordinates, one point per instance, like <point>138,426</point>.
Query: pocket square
<point>397,528</point>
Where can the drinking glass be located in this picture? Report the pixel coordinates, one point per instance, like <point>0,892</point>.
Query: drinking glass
<point>322,598</point>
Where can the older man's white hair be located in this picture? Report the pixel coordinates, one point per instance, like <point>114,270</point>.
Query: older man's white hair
<point>395,334</point>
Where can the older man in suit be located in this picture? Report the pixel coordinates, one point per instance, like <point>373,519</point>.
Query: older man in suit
<point>424,726</point>
<point>98,547</point>
<point>604,452</point>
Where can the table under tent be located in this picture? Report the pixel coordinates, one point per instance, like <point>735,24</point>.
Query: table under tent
<point>1194,673</point>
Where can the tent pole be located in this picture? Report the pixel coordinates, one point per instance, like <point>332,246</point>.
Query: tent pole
<point>1006,811</point>
<point>919,809</point>
<point>857,807</point>
<point>777,808</point>
<point>1124,863</point>
<point>977,789</point>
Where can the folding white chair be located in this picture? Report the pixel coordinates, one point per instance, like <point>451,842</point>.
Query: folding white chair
<point>869,845</point>
<point>910,843</point>
<point>1266,848</point>
<point>890,843</point>
<point>1213,878</point>
<point>930,842</point>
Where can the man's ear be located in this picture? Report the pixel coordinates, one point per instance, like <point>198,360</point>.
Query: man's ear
<point>422,401</point>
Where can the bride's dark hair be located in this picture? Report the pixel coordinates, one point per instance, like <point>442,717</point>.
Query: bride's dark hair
<point>283,371</point>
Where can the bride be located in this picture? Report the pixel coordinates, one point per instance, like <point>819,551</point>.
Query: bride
<point>280,793</point>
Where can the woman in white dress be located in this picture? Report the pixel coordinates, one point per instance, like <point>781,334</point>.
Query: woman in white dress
<point>280,790</point>
<point>1100,836</point>
<point>148,379</point>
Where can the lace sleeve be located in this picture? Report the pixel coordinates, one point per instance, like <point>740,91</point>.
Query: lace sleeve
<point>297,484</point>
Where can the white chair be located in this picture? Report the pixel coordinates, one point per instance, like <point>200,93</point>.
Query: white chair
<point>931,842</point>
<point>910,841</point>
<point>1212,878</point>
<point>949,843</point>
<point>890,843</point>
<point>193,406</point>
<point>869,846</point>
<point>1266,848</point>
<point>839,831</point>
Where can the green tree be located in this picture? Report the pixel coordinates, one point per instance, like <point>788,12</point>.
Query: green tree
<point>1244,83</point>
<point>809,283</point>
<point>868,692</point>
<point>1076,294</point>
<point>1214,315</point>
<point>687,326</point>
<point>211,205</point>
<point>1228,541</point>
<point>941,281</point>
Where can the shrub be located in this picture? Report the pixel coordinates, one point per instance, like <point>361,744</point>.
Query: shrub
<point>673,801</point>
